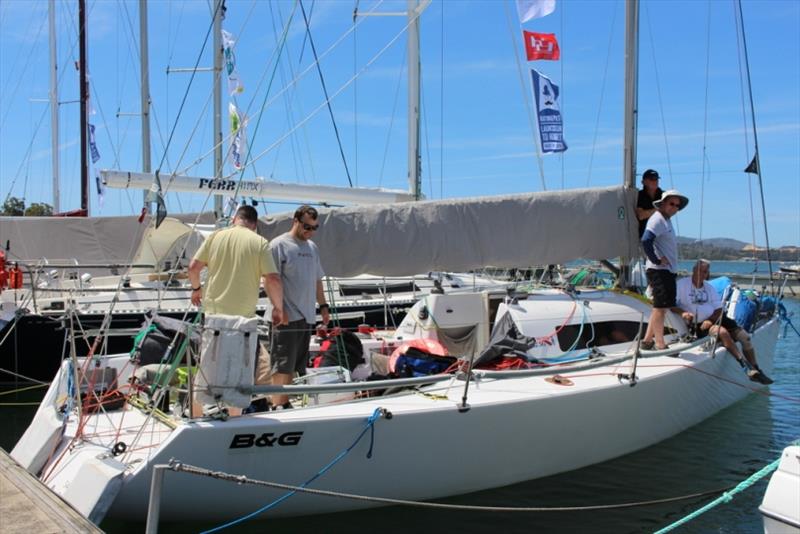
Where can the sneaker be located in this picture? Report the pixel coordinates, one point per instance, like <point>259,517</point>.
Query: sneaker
<point>647,345</point>
<point>284,406</point>
<point>757,375</point>
<point>258,405</point>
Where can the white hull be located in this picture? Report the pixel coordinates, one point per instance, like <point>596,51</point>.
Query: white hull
<point>781,504</point>
<point>519,428</point>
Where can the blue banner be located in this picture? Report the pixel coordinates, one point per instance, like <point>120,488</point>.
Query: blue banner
<point>551,125</point>
<point>93,145</point>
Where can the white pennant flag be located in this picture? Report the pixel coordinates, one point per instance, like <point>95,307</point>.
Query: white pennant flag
<point>534,9</point>
<point>234,83</point>
<point>238,137</point>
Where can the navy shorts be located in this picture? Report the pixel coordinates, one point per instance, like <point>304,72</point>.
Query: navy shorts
<point>289,347</point>
<point>662,283</point>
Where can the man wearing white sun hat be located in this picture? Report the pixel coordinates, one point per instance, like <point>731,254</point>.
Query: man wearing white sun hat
<point>660,245</point>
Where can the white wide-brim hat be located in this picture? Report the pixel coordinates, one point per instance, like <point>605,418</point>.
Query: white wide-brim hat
<point>672,193</point>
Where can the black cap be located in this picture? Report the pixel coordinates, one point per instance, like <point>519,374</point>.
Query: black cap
<point>650,174</point>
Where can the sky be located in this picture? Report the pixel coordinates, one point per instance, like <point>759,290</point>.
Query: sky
<point>694,117</point>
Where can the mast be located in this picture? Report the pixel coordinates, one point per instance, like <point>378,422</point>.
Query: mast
<point>84,119</point>
<point>144,66</point>
<point>631,91</point>
<point>413,99</point>
<point>51,16</point>
<point>631,112</point>
<point>218,14</point>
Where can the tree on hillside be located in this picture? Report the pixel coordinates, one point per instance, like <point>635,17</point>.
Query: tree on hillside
<point>39,210</point>
<point>14,207</point>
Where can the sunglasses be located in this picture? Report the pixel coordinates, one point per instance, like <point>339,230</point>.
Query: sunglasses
<point>310,227</point>
<point>676,204</point>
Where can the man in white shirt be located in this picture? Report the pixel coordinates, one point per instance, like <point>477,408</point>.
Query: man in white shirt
<point>700,306</point>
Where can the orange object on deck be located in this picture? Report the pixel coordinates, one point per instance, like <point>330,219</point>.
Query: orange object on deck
<point>15,278</point>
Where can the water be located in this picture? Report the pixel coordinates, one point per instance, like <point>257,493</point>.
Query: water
<point>715,454</point>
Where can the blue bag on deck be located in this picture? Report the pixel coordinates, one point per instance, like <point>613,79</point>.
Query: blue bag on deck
<point>745,313</point>
<point>720,284</point>
<point>768,306</point>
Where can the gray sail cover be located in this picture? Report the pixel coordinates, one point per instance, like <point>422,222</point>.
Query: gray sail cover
<point>83,239</point>
<point>465,234</point>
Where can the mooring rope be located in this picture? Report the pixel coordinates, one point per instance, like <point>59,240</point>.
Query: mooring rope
<point>727,496</point>
<point>241,479</point>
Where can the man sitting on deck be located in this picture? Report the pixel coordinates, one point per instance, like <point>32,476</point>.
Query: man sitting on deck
<point>700,306</point>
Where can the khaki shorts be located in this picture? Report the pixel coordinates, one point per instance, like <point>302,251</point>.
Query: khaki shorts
<point>263,364</point>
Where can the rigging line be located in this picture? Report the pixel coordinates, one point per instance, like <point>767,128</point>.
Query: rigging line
<point>755,141</point>
<point>176,33</point>
<point>189,85</point>
<point>294,83</point>
<point>441,108</point>
<point>33,46</point>
<point>602,95</point>
<point>660,99</point>
<point>325,92</point>
<point>306,36</point>
<point>355,92</point>
<point>298,101</point>
<point>524,92</point>
<point>705,123</point>
<point>27,152</point>
<point>277,56</point>
<point>287,101</point>
<point>392,116</point>
<point>338,92</point>
<point>745,125</point>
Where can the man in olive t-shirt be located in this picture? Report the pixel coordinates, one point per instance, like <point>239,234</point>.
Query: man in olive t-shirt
<point>237,258</point>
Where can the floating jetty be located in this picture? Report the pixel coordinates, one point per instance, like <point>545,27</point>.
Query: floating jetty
<point>28,506</point>
<point>759,280</point>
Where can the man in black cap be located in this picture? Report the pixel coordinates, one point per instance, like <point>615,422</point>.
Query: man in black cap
<point>644,203</point>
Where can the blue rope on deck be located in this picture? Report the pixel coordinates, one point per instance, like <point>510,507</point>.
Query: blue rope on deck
<point>370,425</point>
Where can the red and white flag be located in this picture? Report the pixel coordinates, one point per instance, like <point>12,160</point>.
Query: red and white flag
<point>534,9</point>
<point>541,45</point>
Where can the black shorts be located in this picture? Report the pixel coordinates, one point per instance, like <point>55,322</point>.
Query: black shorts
<point>727,323</point>
<point>662,282</point>
<point>289,347</point>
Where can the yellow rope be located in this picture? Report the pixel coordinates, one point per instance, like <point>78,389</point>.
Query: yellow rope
<point>24,389</point>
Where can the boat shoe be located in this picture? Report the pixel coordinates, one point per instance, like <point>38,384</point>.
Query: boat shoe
<point>757,375</point>
<point>258,405</point>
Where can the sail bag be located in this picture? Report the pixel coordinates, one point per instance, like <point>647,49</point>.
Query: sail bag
<point>227,360</point>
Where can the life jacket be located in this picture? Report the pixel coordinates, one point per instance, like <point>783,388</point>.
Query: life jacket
<point>15,278</point>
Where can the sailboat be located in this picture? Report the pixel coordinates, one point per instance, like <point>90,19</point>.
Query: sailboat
<point>100,442</point>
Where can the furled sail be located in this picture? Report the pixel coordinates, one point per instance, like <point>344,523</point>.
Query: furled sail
<point>464,234</point>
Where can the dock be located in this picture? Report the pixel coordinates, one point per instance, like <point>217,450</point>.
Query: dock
<point>28,506</point>
<point>761,280</point>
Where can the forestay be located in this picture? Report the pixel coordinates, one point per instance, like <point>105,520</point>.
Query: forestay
<point>464,234</point>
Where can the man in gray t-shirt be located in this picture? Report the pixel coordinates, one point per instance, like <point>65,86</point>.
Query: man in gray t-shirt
<point>298,264</point>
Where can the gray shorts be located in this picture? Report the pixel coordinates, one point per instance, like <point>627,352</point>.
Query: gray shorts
<point>289,347</point>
